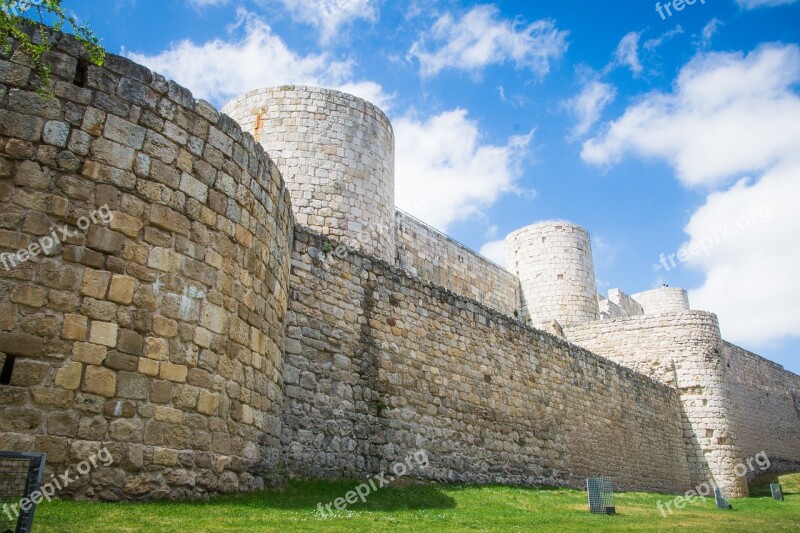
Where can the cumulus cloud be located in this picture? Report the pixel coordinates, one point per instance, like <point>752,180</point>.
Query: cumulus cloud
<point>588,105</point>
<point>445,171</point>
<point>728,114</point>
<point>218,70</point>
<point>329,16</point>
<point>480,38</point>
<point>495,251</point>
<point>731,125</point>
<point>754,4</point>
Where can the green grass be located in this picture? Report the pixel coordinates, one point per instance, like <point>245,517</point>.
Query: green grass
<point>421,508</point>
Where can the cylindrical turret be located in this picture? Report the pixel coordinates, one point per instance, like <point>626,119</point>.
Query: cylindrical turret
<point>553,261</point>
<point>663,300</point>
<point>336,154</point>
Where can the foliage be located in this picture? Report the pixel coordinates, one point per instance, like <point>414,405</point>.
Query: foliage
<point>25,22</point>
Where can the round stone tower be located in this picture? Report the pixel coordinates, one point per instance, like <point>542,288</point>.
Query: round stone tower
<point>336,154</point>
<point>553,261</point>
<point>663,300</point>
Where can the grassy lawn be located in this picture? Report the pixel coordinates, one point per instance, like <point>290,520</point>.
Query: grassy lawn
<point>423,508</point>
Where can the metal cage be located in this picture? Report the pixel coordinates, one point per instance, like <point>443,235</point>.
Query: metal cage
<point>20,476</point>
<point>601,497</point>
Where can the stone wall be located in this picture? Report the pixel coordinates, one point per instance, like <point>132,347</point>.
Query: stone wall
<point>435,257</point>
<point>625,303</point>
<point>379,364</point>
<point>765,407</point>
<point>662,300</point>
<point>682,350</point>
<point>156,332</point>
<point>336,153</point>
<point>553,261</point>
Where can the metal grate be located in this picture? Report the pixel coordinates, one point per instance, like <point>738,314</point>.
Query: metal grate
<point>601,497</point>
<point>722,503</point>
<point>777,491</point>
<point>20,476</point>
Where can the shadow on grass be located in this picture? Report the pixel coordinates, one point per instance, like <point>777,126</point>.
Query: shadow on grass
<point>306,495</point>
<point>759,487</point>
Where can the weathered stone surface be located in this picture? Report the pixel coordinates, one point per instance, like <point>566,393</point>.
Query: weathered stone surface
<point>29,295</point>
<point>75,327</point>
<point>121,290</point>
<point>92,354</point>
<point>103,333</point>
<point>8,316</point>
<point>21,344</point>
<point>95,283</point>
<point>69,376</point>
<point>163,217</point>
<point>173,372</point>
<point>99,380</point>
<point>105,240</point>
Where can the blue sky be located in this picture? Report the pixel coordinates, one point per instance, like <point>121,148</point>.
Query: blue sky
<point>657,134</point>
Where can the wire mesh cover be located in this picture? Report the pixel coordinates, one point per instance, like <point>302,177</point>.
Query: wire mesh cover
<point>601,497</point>
<point>777,491</point>
<point>20,475</point>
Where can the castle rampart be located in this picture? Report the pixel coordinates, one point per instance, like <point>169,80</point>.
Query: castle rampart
<point>435,257</point>
<point>158,331</point>
<point>682,350</point>
<point>206,337</point>
<point>408,365</point>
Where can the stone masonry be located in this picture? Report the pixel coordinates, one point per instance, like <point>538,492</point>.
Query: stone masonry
<point>160,334</point>
<point>239,318</point>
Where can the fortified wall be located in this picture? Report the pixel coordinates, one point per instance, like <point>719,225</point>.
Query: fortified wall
<point>254,307</point>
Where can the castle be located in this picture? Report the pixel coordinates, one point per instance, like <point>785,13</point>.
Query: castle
<point>254,307</point>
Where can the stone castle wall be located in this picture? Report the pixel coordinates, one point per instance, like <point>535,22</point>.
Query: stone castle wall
<point>662,300</point>
<point>435,257</point>
<point>158,332</point>
<point>553,261</point>
<point>209,343</point>
<point>682,350</point>
<point>380,364</point>
<point>336,153</point>
<point>765,407</point>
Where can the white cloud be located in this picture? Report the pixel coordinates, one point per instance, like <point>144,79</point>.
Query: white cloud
<point>589,104</point>
<point>627,53</point>
<point>709,30</point>
<point>480,38</point>
<point>206,3</point>
<point>652,44</point>
<point>731,115</point>
<point>329,16</point>
<point>495,251</point>
<point>752,265</point>
<point>218,70</point>
<point>754,4</point>
<point>445,173</point>
<point>728,114</point>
